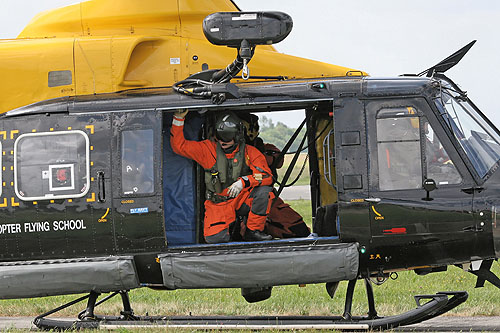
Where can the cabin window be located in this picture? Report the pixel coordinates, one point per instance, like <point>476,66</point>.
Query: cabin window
<point>398,145</point>
<point>51,165</point>
<point>1,173</point>
<point>137,162</point>
<point>439,166</point>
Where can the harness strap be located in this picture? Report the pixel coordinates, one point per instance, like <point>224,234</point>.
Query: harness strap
<point>292,164</point>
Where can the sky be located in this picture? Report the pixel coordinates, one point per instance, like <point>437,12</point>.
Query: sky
<point>382,37</point>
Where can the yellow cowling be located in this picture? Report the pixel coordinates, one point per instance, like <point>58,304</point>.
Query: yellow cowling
<point>102,46</point>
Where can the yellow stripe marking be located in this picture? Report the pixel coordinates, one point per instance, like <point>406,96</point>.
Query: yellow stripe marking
<point>378,214</point>
<point>69,128</point>
<point>4,204</point>
<point>4,134</point>
<point>91,128</point>
<point>12,133</point>
<point>13,203</point>
<point>92,198</point>
<point>33,130</point>
<point>106,214</point>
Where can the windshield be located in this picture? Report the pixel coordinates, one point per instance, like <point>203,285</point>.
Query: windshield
<point>477,138</point>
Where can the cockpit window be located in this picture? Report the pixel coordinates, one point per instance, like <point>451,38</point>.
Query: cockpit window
<point>438,164</point>
<point>480,142</point>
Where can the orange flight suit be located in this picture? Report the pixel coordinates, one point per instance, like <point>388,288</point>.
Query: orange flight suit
<point>218,216</point>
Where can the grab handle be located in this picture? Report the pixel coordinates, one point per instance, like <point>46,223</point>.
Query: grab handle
<point>101,194</point>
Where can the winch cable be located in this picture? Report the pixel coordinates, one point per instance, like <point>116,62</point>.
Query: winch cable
<point>198,88</point>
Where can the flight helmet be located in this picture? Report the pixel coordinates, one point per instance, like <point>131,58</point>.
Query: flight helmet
<point>228,127</point>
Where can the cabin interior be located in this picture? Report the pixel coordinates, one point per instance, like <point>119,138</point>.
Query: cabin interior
<point>184,198</point>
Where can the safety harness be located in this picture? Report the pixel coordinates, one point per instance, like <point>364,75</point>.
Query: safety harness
<point>225,172</point>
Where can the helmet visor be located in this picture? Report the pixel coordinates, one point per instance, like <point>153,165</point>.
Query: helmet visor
<point>228,128</point>
<point>226,131</point>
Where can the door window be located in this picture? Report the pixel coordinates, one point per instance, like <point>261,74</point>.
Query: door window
<point>137,162</point>
<point>400,133</point>
<point>398,145</point>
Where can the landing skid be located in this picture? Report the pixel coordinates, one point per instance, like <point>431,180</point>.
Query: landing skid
<point>428,306</point>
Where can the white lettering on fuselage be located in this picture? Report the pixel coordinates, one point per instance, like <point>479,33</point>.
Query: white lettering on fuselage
<point>36,226</point>
<point>10,228</point>
<point>68,225</point>
<point>42,226</point>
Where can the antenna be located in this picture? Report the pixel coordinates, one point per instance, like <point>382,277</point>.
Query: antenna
<point>449,62</point>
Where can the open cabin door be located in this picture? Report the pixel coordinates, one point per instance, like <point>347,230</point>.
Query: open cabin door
<point>137,194</point>
<point>351,170</point>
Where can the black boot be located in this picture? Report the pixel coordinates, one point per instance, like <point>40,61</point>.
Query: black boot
<point>256,235</point>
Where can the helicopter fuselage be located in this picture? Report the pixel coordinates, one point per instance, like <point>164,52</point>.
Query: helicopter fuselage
<point>92,182</point>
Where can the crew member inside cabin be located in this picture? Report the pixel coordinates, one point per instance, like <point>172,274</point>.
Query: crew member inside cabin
<point>282,221</point>
<point>237,179</point>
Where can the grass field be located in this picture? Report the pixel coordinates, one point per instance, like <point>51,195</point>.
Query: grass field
<point>394,296</point>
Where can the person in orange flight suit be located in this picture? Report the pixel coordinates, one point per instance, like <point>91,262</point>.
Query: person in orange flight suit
<point>282,221</point>
<point>237,178</point>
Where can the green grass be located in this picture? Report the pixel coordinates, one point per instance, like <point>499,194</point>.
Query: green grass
<point>392,297</point>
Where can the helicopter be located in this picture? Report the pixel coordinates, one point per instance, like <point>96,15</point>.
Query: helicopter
<point>403,170</point>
